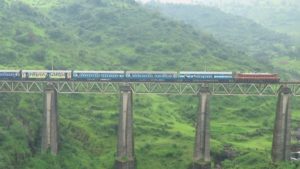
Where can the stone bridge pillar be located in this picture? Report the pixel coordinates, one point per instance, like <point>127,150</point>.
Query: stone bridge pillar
<point>201,159</point>
<point>282,129</point>
<point>50,121</point>
<point>125,149</point>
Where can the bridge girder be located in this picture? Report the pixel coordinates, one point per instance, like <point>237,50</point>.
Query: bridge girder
<point>167,88</point>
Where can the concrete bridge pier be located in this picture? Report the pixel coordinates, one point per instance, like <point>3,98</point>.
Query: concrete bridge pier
<point>282,129</point>
<point>50,121</point>
<point>201,158</point>
<point>125,149</point>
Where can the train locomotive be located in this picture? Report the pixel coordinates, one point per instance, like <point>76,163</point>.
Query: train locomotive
<point>155,76</point>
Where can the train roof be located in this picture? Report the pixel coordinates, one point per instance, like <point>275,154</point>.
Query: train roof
<point>152,72</point>
<point>92,71</point>
<point>12,71</point>
<point>204,73</point>
<point>255,73</point>
<point>46,71</point>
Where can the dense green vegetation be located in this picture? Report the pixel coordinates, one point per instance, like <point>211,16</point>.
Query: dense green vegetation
<point>264,45</point>
<point>278,15</point>
<point>93,34</point>
<point>263,11</point>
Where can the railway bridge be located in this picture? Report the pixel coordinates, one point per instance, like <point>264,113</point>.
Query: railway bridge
<point>125,144</point>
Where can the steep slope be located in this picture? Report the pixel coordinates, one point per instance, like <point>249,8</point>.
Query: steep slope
<point>92,34</point>
<point>263,11</point>
<point>266,46</point>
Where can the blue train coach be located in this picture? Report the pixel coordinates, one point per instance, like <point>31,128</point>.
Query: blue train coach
<point>206,76</point>
<point>98,75</point>
<point>151,75</point>
<point>10,74</point>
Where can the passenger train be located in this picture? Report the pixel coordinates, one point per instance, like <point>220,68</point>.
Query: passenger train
<point>156,76</point>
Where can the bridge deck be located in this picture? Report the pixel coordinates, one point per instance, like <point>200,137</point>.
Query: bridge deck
<point>172,88</point>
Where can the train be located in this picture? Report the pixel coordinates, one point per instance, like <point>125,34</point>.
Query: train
<point>156,76</point>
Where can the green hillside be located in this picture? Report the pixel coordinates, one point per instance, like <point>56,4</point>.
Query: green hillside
<point>100,36</point>
<point>264,45</point>
<point>119,35</point>
<point>264,11</point>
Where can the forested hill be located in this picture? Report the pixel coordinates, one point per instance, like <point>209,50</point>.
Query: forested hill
<point>263,11</point>
<point>259,42</point>
<point>118,35</point>
<point>235,30</point>
<point>105,35</point>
